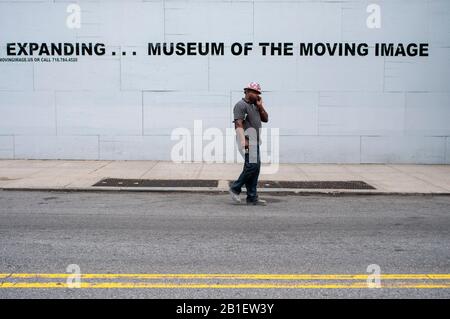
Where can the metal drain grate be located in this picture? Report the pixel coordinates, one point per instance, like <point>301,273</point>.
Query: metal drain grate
<point>316,184</point>
<point>118,182</point>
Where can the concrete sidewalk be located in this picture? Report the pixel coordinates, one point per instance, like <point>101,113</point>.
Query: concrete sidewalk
<point>72,175</point>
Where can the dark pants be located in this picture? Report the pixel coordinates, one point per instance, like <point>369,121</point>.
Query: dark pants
<point>249,176</point>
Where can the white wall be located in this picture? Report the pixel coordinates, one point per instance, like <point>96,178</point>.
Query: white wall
<point>329,109</point>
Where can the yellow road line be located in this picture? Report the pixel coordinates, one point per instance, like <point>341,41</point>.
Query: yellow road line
<point>235,276</point>
<point>252,281</point>
<point>140,285</point>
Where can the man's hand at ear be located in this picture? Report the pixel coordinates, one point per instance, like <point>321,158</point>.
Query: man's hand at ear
<point>262,111</point>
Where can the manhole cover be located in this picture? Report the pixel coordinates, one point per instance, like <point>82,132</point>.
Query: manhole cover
<point>117,182</point>
<point>316,184</point>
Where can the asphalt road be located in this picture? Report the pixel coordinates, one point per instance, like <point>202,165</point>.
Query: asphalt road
<point>157,233</point>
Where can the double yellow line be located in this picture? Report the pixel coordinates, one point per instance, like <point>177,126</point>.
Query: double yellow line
<point>223,281</point>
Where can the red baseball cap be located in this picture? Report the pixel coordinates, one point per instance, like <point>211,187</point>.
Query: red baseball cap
<point>254,86</point>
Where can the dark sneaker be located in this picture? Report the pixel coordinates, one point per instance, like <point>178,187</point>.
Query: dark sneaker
<point>234,196</point>
<point>260,202</point>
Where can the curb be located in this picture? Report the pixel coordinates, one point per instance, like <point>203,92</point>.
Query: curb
<point>216,191</point>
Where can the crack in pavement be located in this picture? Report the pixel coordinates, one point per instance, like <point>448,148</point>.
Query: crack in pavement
<point>4,279</point>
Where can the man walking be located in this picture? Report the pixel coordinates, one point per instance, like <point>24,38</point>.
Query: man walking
<point>248,113</point>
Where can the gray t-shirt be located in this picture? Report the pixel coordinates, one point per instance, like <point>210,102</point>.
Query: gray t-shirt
<point>248,112</point>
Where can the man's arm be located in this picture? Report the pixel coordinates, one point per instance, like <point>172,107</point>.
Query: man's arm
<point>239,113</point>
<point>239,126</point>
<point>262,111</point>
